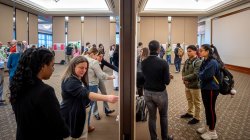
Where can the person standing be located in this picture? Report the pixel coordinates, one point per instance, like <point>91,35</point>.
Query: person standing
<point>162,52</point>
<point>116,63</point>
<point>168,52</point>
<point>14,58</point>
<point>36,108</point>
<point>144,53</point>
<point>156,79</point>
<point>190,77</point>
<point>2,59</point>
<point>111,52</point>
<point>208,72</point>
<point>69,51</point>
<point>177,58</point>
<point>76,96</point>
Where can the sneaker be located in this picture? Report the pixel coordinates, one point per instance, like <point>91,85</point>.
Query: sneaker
<point>193,121</point>
<point>209,135</point>
<point>97,116</point>
<point>187,116</point>
<point>201,130</point>
<point>107,112</point>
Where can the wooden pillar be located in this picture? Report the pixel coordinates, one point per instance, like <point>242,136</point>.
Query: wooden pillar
<point>127,69</point>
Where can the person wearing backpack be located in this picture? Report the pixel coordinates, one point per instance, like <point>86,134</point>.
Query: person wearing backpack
<point>209,91</point>
<point>190,73</point>
<point>177,58</point>
<point>69,50</point>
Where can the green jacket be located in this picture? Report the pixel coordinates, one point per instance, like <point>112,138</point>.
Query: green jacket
<point>190,73</point>
<point>168,50</point>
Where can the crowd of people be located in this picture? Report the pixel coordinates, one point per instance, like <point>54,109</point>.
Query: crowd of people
<point>198,73</point>
<point>35,105</point>
<point>39,113</point>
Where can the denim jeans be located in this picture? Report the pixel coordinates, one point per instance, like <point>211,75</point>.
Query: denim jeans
<point>169,59</point>
<point>1,83</point>
<point>178,66</point>
<point>93,88</point>
<point>158,100</point>
<point>103,90</point>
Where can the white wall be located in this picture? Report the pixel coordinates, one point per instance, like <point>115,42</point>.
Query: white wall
<point>231,36</point>
<point>207,31</point>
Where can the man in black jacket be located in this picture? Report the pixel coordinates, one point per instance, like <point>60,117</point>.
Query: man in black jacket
<point>156,79</point>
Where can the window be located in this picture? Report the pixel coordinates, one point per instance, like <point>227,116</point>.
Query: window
<point>45,39</point>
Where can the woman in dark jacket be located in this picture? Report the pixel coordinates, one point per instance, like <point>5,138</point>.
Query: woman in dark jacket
<point>209,70</point>
<point>75,95</point>
<point>35,105</point>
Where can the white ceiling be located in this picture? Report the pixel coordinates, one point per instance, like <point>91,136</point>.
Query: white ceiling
<point>111,7</point>
<point>52,5</point>
<point>182,5</point>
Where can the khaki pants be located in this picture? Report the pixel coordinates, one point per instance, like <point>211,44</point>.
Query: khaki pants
<point>84,135</point>
<point>194,102</point>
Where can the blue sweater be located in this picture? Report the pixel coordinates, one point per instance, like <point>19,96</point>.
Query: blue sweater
<point>208,69</point>
<point>12,63</point>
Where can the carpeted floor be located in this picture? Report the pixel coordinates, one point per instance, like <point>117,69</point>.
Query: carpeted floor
<point>233,114</point>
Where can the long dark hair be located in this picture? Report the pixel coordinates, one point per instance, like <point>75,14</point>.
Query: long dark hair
<point>29,65</point>
<point>208,48</point>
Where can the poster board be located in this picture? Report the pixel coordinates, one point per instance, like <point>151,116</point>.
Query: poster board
<point>59,52</point>
<point>75,43</point>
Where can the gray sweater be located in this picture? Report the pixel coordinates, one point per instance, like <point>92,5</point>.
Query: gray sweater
<point>95,72</point>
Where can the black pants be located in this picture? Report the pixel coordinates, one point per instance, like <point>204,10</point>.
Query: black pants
<point>209,99</point>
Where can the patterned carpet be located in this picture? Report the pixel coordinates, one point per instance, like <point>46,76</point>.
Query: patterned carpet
<point>233,114</point>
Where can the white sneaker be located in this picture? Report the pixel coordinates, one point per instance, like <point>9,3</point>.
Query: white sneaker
<point>209,135</point>
<point>202,130</point>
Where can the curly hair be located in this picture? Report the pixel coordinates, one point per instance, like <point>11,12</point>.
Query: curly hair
<point>29,65</point>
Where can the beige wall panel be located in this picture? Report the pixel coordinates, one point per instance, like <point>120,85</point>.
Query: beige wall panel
<point>21,25</point>
<point>146,30</point>
<point>138,33</point>
<point>103,33</point>
<point>112,33</point>
<point>33,29</point>
<point>6,24</point>
<point>74,29</point>
<point>191,29</point>
<point>58,30</point>
<point>177,30</point>
<point>82,30</point>
<point>90,30</point>
<point>58,25</point>
<point>161,29</point>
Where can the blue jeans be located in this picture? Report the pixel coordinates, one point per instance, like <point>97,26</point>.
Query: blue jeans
<point>158,100</point>
<point>103,90</point>
<point>1,83</point>
<point>178,65</point>
<point>92,89</point>
<point>169,59</point>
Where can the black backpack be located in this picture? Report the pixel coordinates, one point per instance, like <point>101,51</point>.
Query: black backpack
<point>141,109</point>
<point>69,50</point>
<point>225,81</point>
